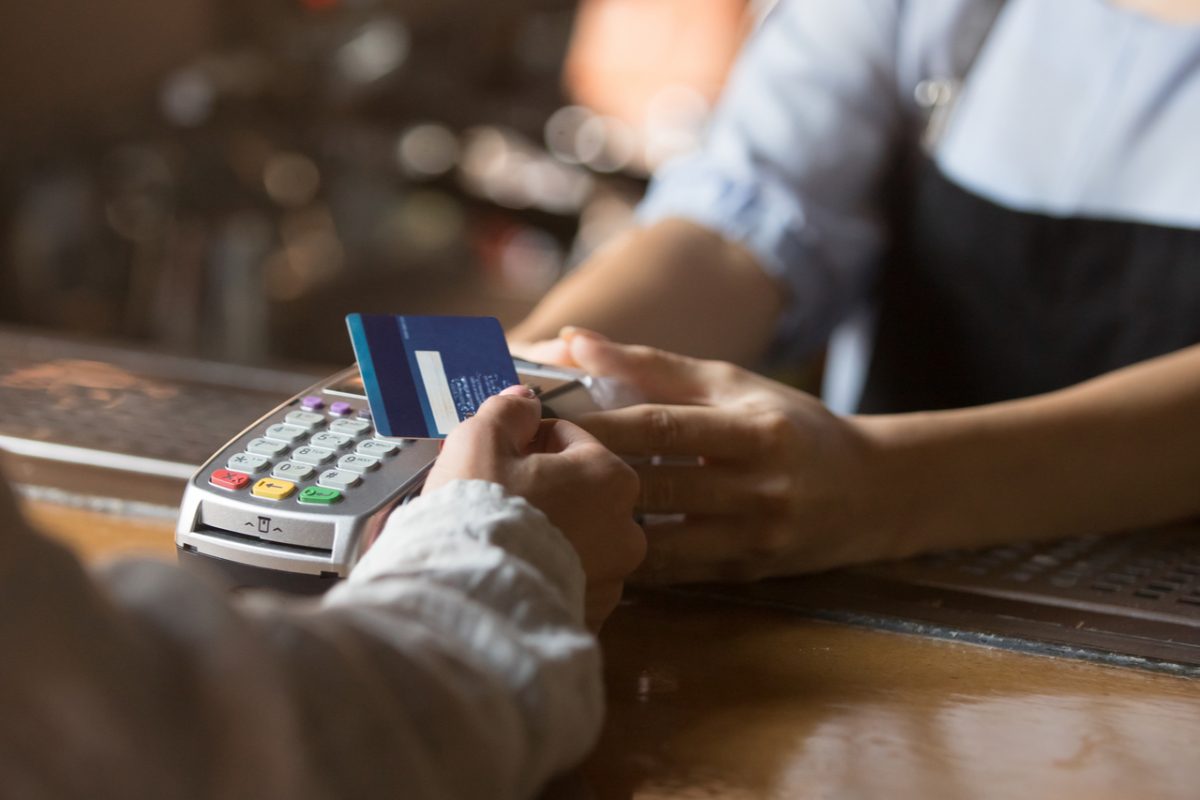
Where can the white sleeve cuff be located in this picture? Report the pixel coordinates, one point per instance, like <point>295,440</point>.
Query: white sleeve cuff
<point>458,524</point>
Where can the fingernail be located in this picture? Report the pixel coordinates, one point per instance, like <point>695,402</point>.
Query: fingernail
<point>569,332</point>
<point>519,390</point>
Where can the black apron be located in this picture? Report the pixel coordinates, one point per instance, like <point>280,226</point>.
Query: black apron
<point>980,303</point>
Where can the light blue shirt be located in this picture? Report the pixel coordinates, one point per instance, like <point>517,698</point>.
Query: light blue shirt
<point>1072,108</point>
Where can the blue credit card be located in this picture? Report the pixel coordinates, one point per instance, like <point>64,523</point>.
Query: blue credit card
<point>424,375</point>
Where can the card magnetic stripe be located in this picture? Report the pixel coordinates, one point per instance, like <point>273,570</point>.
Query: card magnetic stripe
<point>379,349</point>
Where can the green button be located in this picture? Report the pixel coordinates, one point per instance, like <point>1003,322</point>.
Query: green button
<point>319,495</point>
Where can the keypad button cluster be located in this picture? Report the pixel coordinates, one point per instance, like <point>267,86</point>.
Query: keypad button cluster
<point>331,445</point>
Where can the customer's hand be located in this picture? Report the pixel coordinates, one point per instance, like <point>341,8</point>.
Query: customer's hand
<point>586,491</point>
<point>768,480</point>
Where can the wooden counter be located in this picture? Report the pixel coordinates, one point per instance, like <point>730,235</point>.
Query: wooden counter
<point>710,700</point>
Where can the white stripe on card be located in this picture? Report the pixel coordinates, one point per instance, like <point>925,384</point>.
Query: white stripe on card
<point>437,390</point>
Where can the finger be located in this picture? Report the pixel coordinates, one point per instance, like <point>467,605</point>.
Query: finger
<point>559,435</point>
<point>659,376</point>
<point>507,421</point>
<point>577,454</point>
<point>708,489</point>
<point>696,550</point>
<point>546,351</point>
<point>714,433</point>
<point>568,332</point>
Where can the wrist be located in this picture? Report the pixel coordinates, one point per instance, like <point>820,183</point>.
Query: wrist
<point>964,478</point>
<point>901,481</point>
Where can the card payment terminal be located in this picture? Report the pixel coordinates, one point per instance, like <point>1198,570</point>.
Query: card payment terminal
<point>294,500</point>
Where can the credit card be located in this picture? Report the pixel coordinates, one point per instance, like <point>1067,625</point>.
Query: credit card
<point>425,375</point>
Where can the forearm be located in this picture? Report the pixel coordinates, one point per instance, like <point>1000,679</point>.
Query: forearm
<point>1119,451</point>
<point>453,663</point>
<point>674,285</point>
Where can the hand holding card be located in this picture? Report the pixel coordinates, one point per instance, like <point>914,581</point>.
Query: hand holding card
<point>425,375</point>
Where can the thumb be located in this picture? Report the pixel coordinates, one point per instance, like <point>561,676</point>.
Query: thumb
<point>508,420</point>
<point>659,376</point>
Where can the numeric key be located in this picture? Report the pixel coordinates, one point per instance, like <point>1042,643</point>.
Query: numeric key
<point>350,427</point>
<point>331,441</point>
<point>293,471</point>
<point>376,448</point>
<point>314,456</point>
<point>304,419</point>
<point>357,463</point>
<point>286,433</point>
<point>266,447</point>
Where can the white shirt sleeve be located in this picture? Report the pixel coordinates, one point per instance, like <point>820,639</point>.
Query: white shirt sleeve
<point>452,663</point>
<point>797,154</point>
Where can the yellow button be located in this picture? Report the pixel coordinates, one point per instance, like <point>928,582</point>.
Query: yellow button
<point>273,488</point>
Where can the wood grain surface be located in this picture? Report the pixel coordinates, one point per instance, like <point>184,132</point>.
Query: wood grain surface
<point>712,700</point>
<point>95,536</point>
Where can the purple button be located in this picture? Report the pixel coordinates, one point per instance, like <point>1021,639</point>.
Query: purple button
<point>312,402</point>
<point>364,413</point>
<point>340,409</point>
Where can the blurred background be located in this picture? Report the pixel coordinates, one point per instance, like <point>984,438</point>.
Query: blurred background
<point>229,178</point>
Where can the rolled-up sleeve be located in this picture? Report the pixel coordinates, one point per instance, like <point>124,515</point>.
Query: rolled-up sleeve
<point>796,155</point>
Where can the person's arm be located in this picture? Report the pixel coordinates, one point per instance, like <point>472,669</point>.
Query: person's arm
<point>654,284</point>
<point>784,486</point>
<point>774,228</point>
<point>452,663</point>
<point>1116,452</point>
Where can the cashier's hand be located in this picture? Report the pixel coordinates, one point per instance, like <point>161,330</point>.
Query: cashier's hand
<point>758,478</point>
<point>585,490</point>
<point>546,351</point>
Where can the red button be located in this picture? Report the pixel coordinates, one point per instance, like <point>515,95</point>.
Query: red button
<point>227,479</point>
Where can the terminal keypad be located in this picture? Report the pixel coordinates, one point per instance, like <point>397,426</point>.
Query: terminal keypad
<point>329,447</point>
